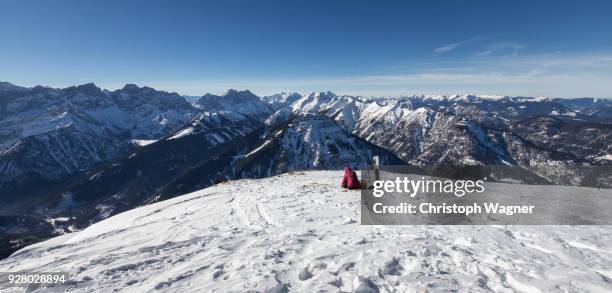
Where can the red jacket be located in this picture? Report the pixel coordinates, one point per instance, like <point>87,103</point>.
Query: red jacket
<point>350,179</point>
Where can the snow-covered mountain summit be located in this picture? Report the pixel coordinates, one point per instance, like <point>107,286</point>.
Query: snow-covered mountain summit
<point>282,99</point>
<point>243,102</point>
<point>310,141</point>
<point>299,232</point>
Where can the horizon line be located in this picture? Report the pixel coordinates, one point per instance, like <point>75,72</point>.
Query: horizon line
<point>164,89</point>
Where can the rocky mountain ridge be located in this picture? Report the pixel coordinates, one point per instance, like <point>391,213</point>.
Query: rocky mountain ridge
<point>82,154</point>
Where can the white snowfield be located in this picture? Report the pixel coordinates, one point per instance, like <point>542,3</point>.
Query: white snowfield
<point>300,232</point>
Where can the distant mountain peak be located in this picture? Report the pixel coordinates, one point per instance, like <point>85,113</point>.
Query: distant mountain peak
<point>87,88</point>
<point>242,102</point>
<point>130,86</point>
<point>280,100</point>
<point>133,88</point>
<point>7,86</point>
<point>243,94</point>
<point>287,93</point>
<point>4,84</point>
<point>326,94</point>
<point>209,95</point>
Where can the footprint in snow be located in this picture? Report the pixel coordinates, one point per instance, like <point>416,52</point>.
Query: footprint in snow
<point>365,285</point>
<point>219,271</point>
<point>336,283</point>
<point>392,267</point>
<point>279,288</point>
<point>345,267</point>
<point>305,274</point>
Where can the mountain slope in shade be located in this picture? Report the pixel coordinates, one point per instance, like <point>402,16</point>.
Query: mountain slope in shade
<point>48,135</point>
<point>593,108</point>
<point>143,176</point>
<point>299,232</point>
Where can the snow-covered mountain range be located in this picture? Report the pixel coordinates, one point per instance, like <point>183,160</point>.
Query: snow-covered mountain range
<point>299,232</point>
<point>46,133</point>
<point>82,154</point>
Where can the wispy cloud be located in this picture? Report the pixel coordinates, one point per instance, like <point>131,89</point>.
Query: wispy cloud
<point>503,48</point>
<point>483,53</point>
<point>555,74</point>
<point>453,46</point>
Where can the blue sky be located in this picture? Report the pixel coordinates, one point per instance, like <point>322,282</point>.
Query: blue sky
<point>536,48</point>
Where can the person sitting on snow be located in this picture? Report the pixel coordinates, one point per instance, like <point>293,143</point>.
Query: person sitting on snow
<point>350,179</point>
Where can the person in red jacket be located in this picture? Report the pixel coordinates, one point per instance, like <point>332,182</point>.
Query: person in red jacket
<point>350,179</point>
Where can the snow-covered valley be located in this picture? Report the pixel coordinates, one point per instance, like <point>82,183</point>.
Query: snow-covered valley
<point>300,232</point>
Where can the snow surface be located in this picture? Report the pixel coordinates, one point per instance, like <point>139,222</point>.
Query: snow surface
<point>606,157</point>
<point>184,132</point>
<point>301,232</point>
<point>143,142</point>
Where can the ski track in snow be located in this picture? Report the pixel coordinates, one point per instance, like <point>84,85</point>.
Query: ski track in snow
<point>300,232</point>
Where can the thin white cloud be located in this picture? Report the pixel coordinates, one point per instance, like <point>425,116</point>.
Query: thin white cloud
<point>511,45</point>
<point>453,46</point>
<point>556,75</point>
<point>501,48</point>
<point>483,53</point>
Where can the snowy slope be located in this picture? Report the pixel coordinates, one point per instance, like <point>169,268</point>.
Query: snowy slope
<point>299,232</point>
